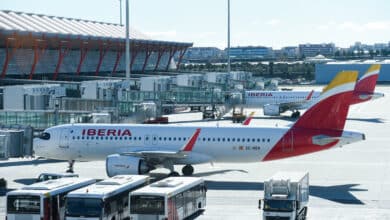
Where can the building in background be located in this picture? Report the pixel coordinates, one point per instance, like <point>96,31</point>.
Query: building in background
<point>325,72</point>
<point>251,52</point>
<point>203,53</point>
<point>311,50</point>
<point>48,45</point>
<point>290,52</point>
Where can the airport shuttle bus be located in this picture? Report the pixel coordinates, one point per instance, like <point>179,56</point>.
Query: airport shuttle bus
<point>174,198</point>
<point>108,199</point>
<point>43,200</point>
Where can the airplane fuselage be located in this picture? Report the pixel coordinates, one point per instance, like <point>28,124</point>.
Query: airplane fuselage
<point>260,98</point>
<point>86,142</point>
<point>256,98</point>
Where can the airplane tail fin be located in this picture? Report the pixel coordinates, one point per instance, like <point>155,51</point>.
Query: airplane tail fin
<point>248,120</point>
<point>322,126</point>
<point>330,112</point>
<point>310,95</point>
<point>367,82</point>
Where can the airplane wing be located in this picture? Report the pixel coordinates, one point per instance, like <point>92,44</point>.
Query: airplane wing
<point>163,155</point>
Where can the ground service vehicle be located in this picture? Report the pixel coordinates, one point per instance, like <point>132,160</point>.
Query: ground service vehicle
<point>43,200</point>
<point>108,199</point>
<point>286,195</point>
<point>173,198</point>
<point>238,115</point>
<point>208,113</point>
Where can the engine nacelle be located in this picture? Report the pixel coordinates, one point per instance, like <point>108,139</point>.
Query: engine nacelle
<point>271,109</point>
<point>121,165</point>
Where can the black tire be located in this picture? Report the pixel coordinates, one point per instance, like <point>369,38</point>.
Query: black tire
<point>187,170</point>
<point>174,173</point>
<point>305,213</point>
<point>302,214</point>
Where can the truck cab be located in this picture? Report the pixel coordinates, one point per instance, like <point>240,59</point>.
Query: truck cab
<point>286,195</point>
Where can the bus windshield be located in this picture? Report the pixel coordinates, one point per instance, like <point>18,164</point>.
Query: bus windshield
<point>278,205</point>
<point>23,204</point>
<point>140,204</point>
<point>83,207</point>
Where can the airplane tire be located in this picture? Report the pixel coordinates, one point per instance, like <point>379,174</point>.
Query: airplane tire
<point>174,173</point>
<point>295,114</point>
<point>187,170</point>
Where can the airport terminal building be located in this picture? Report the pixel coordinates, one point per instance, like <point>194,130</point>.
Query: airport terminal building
<point>325,72</point>
<point>33,44</point>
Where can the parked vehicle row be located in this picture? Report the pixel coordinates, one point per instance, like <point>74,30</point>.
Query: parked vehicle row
<point>119,197</point>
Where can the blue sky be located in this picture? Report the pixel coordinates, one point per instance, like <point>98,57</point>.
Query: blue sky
<point>274,23</point>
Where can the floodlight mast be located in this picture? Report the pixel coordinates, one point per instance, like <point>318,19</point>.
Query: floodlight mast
<point>127,42</point>
<point>120,12</point>
<point>228,37</point>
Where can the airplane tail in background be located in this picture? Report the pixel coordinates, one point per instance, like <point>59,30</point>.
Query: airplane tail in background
<point>367,83</point>
<point>248,120</point>
<point>330,111</point>
<point>365,87</point>
<point>322,126</point>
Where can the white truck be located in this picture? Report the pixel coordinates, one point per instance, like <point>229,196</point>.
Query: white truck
<point>286,195</point>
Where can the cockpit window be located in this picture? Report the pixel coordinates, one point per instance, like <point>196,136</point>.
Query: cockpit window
<point>45,136</point>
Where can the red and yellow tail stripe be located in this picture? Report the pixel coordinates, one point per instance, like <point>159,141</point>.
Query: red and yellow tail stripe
<point>326,118</point>
<point>373,70</point>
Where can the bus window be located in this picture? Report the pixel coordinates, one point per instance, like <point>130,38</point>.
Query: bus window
<point>86,207</point>
<point>147,205</point>
<point>23,204</point>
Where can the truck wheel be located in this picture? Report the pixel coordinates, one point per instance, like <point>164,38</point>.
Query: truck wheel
<point>302,214</point>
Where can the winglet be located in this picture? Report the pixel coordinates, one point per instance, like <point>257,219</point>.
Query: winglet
<point>191,142</point>
<point>310,95</point>
<point>248,119</point>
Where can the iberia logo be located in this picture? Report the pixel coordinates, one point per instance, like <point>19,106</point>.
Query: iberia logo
<point>106,132</point>
<point>257,94</point>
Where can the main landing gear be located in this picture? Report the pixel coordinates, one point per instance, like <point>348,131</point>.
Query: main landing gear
<point>187,170</point>
<point>70,167</point>
<point>296,114</point>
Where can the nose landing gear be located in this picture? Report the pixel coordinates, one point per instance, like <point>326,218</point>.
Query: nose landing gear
<point>70,167</point>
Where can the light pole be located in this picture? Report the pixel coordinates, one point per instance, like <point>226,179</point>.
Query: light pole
<point>127,42</point>
<point>120,12</point>
<point>228,38</point>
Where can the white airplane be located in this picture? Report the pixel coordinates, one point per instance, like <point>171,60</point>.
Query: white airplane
<point>137,149</point>
<point>276,102</point>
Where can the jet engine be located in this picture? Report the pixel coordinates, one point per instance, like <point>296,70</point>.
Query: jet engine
<point>271,110</point>
<point>120,165</point>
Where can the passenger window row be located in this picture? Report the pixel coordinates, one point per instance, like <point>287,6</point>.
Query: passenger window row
<point>204,139</point>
